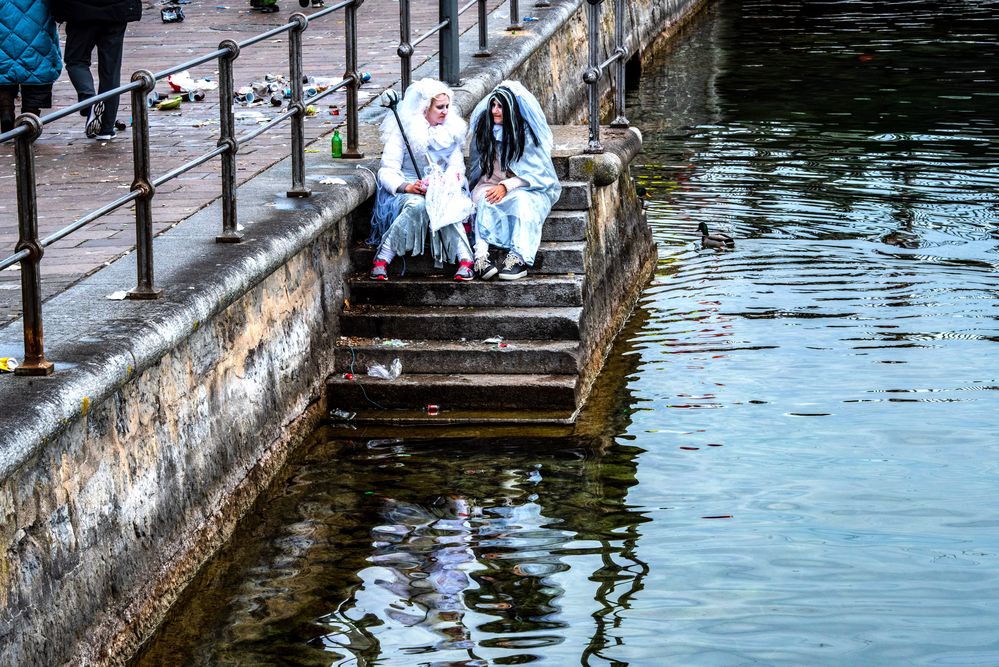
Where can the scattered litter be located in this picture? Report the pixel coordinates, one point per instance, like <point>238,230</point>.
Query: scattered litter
<point>169,104</point>
<point>311,110</point>
<point>394,342</point>
<point>311,150</point>
<point>342,414</point>
<point>530,18</point>
<point>494,339</point>
<point>8,364</point>
<point>433,409</point>
<point>183,82</point>
<point>117,296</point>
<point>379,370</point>
<point>330,180</point>
<point>255,116</point>
<point>172,14</point>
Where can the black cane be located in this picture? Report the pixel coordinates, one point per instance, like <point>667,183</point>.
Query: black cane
<point>390,99</point>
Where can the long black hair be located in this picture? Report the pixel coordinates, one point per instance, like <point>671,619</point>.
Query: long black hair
<point>515,133</point>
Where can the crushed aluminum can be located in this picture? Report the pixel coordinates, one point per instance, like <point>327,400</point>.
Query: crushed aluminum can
<point>433,409</point>
<point>8,364</point>
<point>172,14</point>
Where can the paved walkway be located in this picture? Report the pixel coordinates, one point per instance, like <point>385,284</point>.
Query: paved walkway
<point>77,175</point>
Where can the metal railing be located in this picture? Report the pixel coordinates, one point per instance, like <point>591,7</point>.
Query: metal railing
<point>28,127</point>
<point>596,69</point>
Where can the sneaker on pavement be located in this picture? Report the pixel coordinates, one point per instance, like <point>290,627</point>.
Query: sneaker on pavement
<point>93,125</point>
<point>379,270</point>
<point>106,136</point>
<point>485,269</point>
<point>513,268</point>
<point>464,273</point>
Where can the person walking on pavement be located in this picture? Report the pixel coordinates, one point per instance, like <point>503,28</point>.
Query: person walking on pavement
<point>96,24</point>
<point>29,58</point>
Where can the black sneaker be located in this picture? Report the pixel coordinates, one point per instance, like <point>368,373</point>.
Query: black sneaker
<point>485,269</point>
<point>93,125</point>
<point>513,268</point>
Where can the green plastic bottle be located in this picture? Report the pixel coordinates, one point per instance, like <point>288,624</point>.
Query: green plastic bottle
<point>336,144</point>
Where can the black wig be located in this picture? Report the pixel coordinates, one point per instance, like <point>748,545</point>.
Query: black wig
<point>515,132</point>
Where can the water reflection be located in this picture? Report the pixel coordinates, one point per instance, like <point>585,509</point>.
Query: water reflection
<point>396,552</point>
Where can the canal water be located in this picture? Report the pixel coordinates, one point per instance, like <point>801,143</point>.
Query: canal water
<point>792,456</point>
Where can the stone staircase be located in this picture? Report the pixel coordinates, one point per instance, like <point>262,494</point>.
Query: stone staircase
<point>483,351</point>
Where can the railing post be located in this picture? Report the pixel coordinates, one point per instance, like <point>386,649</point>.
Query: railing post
<point>514,16</point>
<point>448,52</point>
<point>27,226</point>
<point>620,120</point>
<point>227,138</point>
<point>353,110</point>
<point>592,75</point>
<point>142,182</point>
<point>297,107</point>
<point>405,49</point>
<point>483,51</point>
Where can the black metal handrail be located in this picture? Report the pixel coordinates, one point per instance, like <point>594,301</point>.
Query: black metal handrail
<point>596,69</point>
<point>28,127</point>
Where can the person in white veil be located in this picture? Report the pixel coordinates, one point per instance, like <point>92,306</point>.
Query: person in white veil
<point>400,223</point>
<point>515,181</point>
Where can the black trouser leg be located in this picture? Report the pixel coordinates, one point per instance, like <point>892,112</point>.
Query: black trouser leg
<point>110,44</point>
<point>7,95</point>
<point>80,41</point>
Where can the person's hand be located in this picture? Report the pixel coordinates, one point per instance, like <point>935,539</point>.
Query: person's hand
<point>416,188</point>
<point>495,194</point>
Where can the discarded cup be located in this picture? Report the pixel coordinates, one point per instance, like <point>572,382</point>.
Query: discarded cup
<point>433,409</point>
<point>194,95</point>
<point>365,77</point>
<point>8,364</point>
<point>276,100</point>
<point>379,370</point>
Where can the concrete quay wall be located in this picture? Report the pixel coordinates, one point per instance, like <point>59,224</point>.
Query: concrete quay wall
<point>123,472</point>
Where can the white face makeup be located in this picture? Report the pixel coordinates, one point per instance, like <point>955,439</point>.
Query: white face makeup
<point>437,111</point>
<point>497,112</point>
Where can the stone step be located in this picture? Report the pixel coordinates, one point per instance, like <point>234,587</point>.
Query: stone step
<point>415,391</point>
<point>565,226</point>
<point>553,257</point>
<point>575,196</point>
<point>450,323</point>
<point>420,290</point>
<point>356,355</point>
<point>447,422</point>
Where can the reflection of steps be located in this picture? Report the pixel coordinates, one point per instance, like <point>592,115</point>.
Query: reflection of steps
<point>439,329</point>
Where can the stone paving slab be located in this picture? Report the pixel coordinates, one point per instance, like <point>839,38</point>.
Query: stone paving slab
<point>76,174</point>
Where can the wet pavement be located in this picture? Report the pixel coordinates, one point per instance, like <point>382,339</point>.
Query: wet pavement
<point>77,175</point>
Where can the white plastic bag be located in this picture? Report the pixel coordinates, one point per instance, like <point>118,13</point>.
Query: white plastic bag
<point>391,373</point>
<point>447,198</point>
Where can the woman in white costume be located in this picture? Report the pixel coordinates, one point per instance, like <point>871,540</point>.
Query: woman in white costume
<point>515,181</point>
<point>400,223</point>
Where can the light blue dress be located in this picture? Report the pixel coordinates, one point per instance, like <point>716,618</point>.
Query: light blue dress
<point>515,222</point>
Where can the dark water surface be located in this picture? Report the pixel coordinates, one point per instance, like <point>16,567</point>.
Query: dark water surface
<point>796,457</point>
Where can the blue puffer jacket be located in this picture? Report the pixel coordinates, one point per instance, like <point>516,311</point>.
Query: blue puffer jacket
<point>29,43</point>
